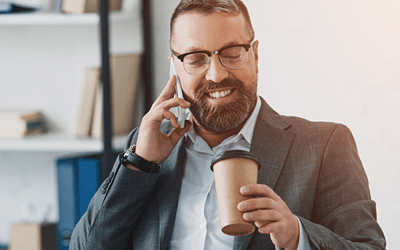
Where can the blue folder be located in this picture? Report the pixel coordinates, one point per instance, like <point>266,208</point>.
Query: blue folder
<point>78,180</point>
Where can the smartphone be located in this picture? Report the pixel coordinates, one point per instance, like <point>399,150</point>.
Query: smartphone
<point>181,112</point>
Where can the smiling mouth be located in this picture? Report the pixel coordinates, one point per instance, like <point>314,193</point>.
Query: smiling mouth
<point>219,94</point>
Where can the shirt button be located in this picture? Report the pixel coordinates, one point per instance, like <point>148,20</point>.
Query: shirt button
<point>202,226</point>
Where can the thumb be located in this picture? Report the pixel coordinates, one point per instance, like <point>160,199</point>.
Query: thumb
<point>177,133</point>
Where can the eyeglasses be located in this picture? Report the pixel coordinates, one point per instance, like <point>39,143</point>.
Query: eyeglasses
<point>232,57</point>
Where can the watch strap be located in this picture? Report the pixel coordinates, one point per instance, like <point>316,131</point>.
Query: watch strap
<point>131,158</point>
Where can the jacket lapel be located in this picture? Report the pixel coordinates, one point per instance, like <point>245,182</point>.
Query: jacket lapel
<point>271,143</point>
<point>170,185</point>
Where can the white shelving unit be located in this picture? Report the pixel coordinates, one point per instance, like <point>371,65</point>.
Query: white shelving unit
<point>57,142</point>
<point>42,65</point>
<point>42,18</point>
<point>63,139</point>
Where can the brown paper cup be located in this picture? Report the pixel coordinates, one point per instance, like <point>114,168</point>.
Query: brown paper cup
<point>232,170</point>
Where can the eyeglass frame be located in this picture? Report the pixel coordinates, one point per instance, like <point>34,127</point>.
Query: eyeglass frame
<point>209,54</point>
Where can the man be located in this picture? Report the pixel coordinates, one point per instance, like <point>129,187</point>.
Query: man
<point>312,191</point>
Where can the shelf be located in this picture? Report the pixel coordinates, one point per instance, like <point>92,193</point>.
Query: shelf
<point>53,142</point>
<point>41,18</point>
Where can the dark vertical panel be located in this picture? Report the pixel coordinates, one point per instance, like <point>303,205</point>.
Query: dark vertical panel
<point>105,61</point>
<point>147,80</point>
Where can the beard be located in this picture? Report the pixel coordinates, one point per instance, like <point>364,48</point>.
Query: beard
<point>224,117</point>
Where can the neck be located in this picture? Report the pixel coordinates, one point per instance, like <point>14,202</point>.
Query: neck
<point>214,139</point>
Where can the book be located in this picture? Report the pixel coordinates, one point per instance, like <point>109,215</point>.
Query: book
<point>57,6</point>
<point>84,119</point>
<point>33,236</point>
<point>88,6</point>
<point>19,115</point>
<point>17,124</point>
<point>124,79</point>
<point>7,7</point>
<point>19,133</point>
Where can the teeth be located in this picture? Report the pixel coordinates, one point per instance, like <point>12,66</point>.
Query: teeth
<point>220,94</point>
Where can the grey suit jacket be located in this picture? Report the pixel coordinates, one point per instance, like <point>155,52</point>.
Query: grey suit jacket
<point>313,166</point>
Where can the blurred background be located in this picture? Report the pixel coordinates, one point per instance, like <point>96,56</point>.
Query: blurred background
<point>321,60</point>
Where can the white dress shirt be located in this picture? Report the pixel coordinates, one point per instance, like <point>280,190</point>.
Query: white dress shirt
<point>197,223</point>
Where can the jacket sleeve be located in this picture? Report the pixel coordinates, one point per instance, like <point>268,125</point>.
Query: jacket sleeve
<point>114,209</point>
<point>344,216</point>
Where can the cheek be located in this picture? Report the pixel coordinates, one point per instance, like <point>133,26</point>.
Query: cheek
<point>189,85</point>
<point>248,76</point>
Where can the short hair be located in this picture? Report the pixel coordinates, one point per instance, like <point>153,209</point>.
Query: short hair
<point>208,7</point>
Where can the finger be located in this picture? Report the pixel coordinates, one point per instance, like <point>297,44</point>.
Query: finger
<point>256,203</point>
<point>178,132</point>
<point>269,228</point>
<point>168,91</point>
<point>172,118</point>
<point>155,116</point>
<point>259,189</point>
<point>263,223</point>
<point>174,102</point>
<point>262,216</point>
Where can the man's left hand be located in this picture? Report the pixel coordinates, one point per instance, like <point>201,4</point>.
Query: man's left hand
<point>271,215</point>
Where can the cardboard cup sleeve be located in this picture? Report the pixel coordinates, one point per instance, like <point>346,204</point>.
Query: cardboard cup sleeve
<point>232,170</point>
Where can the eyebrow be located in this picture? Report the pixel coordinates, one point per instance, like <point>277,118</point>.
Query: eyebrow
<point>194,48</point>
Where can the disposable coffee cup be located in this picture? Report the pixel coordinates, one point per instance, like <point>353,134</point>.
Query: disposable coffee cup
<point>232,170</point>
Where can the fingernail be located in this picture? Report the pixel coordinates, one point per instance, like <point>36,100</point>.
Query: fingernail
<point>248,216</point>
<point>243,205</point>
<point>244,190</point>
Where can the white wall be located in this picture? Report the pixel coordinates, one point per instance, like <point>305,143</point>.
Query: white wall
<point>328,61</point>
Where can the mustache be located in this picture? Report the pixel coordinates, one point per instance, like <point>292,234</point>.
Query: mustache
<point>209,85</point>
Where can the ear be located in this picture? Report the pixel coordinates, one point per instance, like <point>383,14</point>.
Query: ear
<point>255,49</point>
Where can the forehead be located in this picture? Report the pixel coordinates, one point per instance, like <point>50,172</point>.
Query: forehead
<point>194,31</point>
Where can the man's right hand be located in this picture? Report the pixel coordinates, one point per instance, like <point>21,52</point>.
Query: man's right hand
<point>152,144</point>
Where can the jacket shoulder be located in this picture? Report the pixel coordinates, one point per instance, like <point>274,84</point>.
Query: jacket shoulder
<point>303,126</point>
<point>318,132</point>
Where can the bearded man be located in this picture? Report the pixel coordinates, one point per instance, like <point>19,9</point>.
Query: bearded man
<point>312,191</point>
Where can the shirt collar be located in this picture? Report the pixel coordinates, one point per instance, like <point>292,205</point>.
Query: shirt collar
<point>248,128</point>
<point>246,131</point>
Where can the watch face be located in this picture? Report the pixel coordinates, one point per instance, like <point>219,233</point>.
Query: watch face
<point>131,149</point>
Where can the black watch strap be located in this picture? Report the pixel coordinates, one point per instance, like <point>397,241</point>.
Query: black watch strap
<point>131,158</point>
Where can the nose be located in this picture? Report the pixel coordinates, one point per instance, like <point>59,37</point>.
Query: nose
<point>216,72</point>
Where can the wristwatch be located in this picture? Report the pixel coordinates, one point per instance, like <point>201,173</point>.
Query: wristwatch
<point>131,158</point>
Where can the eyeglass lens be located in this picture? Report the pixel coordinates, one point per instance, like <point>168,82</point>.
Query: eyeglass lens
<point>232,58</point>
